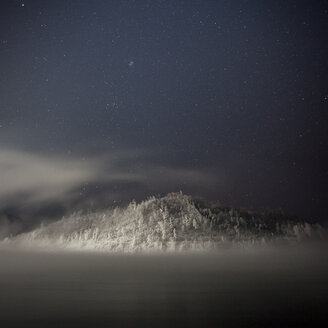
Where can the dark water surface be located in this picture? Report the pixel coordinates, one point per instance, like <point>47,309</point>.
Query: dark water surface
<point>254,288</point>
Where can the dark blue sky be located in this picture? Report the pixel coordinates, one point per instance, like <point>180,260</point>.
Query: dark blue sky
<point>105,101</point>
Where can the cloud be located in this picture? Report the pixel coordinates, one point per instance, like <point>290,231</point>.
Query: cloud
<point>43,177</point>
<point>34,178</point>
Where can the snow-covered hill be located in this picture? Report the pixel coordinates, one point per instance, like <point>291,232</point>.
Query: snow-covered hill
<point>175,222</point>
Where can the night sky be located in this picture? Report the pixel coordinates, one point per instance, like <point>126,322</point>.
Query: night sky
<point>102,102</point>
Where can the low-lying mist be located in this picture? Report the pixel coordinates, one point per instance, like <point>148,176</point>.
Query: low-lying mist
<point>255,287</point>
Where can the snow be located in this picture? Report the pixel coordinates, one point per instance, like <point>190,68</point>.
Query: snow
<point>173,223</point>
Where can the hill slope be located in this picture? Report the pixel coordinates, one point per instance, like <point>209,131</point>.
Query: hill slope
<point>172,223</point>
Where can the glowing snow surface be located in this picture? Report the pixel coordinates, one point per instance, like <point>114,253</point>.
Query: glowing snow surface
<point>175,222</point>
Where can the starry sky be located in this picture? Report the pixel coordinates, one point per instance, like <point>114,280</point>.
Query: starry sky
<point>102,102</point>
